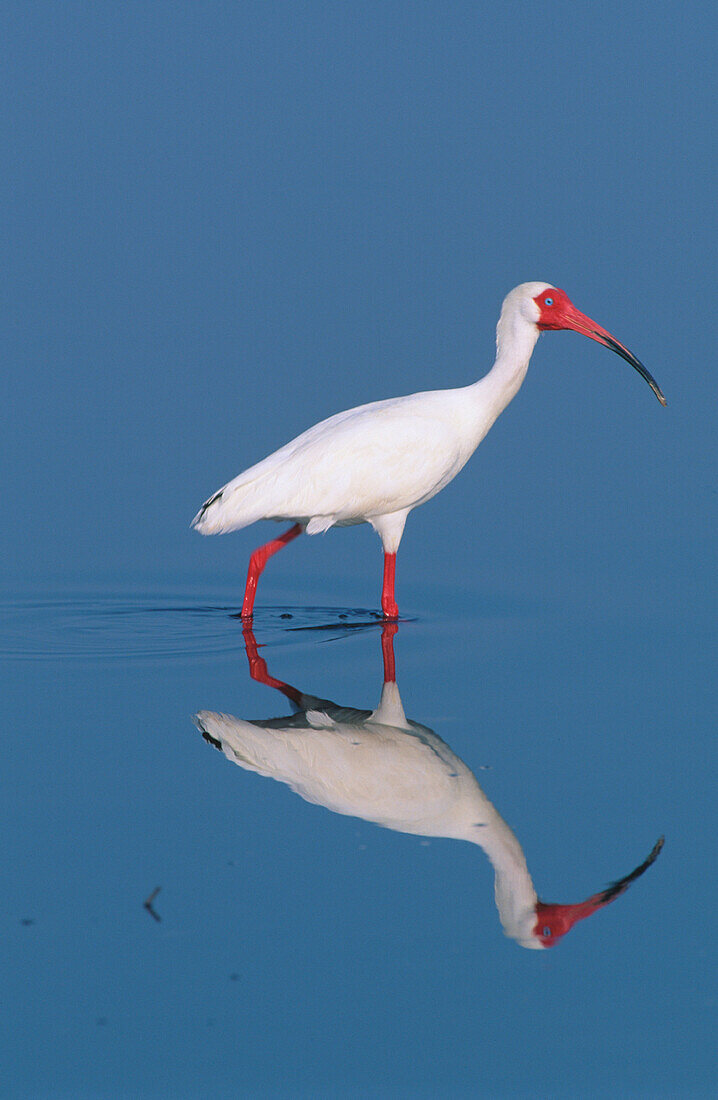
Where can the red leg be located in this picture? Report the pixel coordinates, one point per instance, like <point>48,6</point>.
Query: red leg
<point>257,562</point>
<point>387,651</point>
<point>258,669</point>
<point>388,603</point>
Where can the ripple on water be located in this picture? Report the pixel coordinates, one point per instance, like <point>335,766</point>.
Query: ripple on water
<point>126,627</point>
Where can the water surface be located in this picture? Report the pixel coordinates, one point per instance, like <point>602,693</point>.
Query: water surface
<point>179,926</point>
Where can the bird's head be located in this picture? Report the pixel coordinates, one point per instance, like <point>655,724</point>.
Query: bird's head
<point>551,309</point>
<point>554,921</point>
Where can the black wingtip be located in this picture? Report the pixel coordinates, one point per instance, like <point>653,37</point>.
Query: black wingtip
<point>208,503</point>
<point>206,735</point>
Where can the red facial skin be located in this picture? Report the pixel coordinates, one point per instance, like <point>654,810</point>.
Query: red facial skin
<point>553,316</point>
<point>563,314</point>
<point>554,921</point>
<point>557,311</point>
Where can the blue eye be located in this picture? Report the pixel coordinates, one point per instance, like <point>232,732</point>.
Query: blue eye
<point>548,301</point>
<point>547,931</point>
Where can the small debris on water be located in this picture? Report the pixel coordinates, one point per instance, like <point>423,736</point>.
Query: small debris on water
<point>148,904</point>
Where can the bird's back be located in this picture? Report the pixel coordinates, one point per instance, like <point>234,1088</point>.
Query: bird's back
<point>407,779</point>
<point>368,461</point>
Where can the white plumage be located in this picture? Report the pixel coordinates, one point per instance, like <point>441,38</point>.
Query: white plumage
<point>382,767</point>
<point>376,462</point>
<point>397,774</point>
<point>366,464</point>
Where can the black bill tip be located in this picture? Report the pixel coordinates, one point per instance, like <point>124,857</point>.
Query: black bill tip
<point>617,888</point>
<point>619,349</point>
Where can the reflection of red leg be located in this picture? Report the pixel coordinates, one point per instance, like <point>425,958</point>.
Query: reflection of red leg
<point>258,669</point>
<point>387,651</point>
<point>388,603</point>
<point>257,562</point>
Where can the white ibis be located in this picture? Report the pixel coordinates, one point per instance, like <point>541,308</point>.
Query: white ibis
<point>384,768</point>
<point>374,463</point>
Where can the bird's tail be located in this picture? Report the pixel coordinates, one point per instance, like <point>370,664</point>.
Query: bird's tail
<point>240,741</point>
<point>207,520</point>
<point>229,509</point>
<point>237,504</point>
<point>272,752</point>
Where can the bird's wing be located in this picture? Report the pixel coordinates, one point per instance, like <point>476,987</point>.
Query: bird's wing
<point>375,459</point>
<point>375,772</point>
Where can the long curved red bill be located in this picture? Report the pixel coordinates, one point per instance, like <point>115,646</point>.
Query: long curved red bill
<point>554,921</point>
<point>579,322</point>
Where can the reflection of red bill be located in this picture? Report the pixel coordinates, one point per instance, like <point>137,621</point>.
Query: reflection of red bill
<point>554,921</point>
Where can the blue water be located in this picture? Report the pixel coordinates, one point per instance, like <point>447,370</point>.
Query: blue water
<point>223,222</point>
<point>178,926</point>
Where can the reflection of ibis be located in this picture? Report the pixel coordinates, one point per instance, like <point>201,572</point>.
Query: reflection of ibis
<point>373,464</point>
<point>380,766</point>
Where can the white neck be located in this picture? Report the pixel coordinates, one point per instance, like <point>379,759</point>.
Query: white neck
<point>515,341</point>
<point>513,889</point>
<point>486,399</point>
